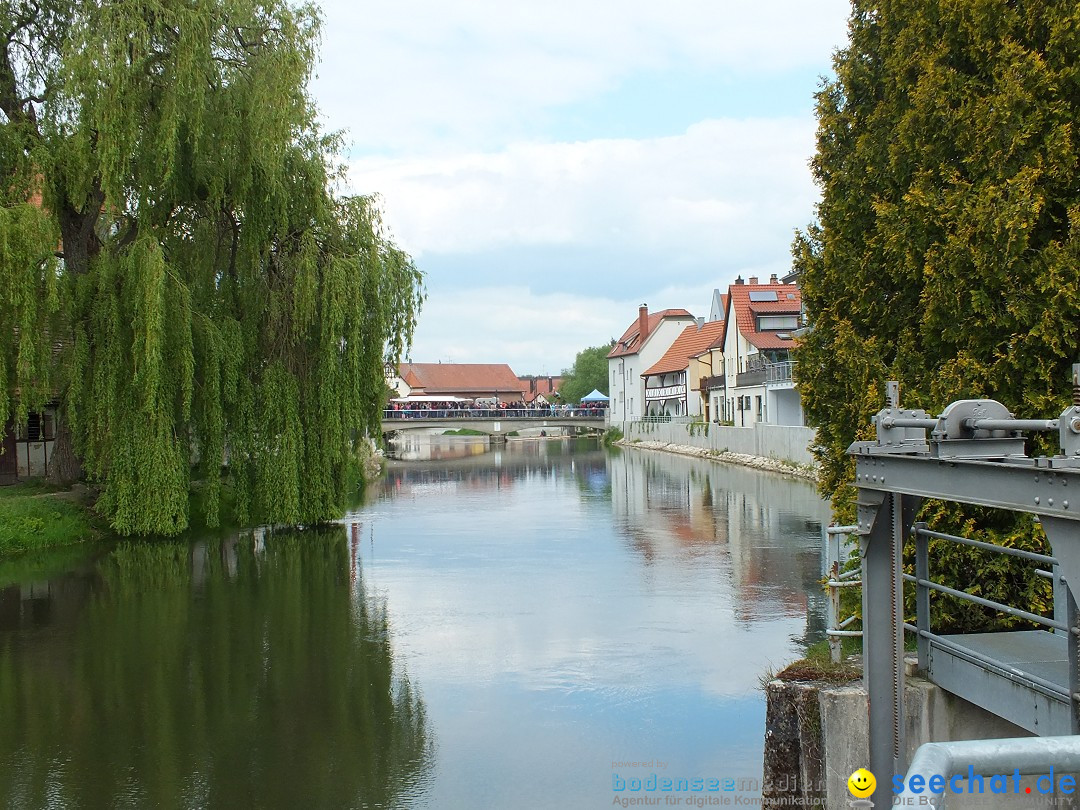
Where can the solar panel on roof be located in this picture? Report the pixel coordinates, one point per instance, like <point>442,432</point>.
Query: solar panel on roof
<point>761,296</point>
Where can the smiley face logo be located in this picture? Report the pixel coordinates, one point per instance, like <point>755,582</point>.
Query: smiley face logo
<point>861,783</point>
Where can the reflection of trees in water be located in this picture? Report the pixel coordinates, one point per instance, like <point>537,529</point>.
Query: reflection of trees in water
<point>231,678</point>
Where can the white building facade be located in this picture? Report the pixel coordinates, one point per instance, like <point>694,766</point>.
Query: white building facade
<point>641,346</point>
<point>758,364</point>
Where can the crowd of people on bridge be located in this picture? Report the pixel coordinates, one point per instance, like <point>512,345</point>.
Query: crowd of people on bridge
<point>491,410</point>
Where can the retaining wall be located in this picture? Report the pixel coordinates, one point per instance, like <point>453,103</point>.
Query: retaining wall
<point>783,442</point>
<point>816,736</point>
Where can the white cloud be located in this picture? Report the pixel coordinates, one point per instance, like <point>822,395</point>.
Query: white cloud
<point>533,333</point>
<point>720,186</point>
<point>399,74</point>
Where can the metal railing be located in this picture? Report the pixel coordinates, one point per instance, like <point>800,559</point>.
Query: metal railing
<point>837,545</point>
<point>940,763</point>
<point>667,418</point>
<point>551,412</point>
<point>924,586</point>
<point>779,372</point>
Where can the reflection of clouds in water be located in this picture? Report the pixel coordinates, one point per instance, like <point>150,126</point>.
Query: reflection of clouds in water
<point>538,589</point>
<point>545,610</point>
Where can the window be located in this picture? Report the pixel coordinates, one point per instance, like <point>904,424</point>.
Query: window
<point>766,322</point>
<point>762,296</point>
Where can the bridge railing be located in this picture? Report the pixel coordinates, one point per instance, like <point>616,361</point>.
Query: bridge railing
<point>551,412</point>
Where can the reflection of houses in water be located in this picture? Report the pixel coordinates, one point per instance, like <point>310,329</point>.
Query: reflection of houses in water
<point>762,527</point>
<point>408,446</point>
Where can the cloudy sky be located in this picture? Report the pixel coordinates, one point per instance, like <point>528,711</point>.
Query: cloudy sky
<point>552,165</point>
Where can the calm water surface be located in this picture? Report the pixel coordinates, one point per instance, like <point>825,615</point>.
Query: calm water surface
<point>492,629</point>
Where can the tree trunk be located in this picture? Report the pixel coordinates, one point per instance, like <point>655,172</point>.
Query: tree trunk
<point>64,466</point>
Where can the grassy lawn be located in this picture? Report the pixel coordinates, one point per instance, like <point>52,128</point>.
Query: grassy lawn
<point>34,515</point>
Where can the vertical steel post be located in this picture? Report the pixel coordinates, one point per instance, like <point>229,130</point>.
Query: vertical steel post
<point>883,633</point>
<point>922,594</point>
<point>1061,596</point>
<point>1074,662</point>
<point>877,598</point>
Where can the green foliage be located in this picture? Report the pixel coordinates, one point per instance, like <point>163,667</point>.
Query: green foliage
<point>29,522</point>
<point>590,370</point>
<point>612,436</point>
<point>947,251</point>
<point>216,302</point>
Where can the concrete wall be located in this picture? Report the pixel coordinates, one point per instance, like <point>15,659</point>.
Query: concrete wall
<point>767,441</point>
<point>804,754</point>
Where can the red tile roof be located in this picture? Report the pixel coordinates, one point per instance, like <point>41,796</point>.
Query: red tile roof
<point>629,343</point>
<point>789,302</point>
<point>532,387</point>
<point>692,342</point>
<point>453,378</point>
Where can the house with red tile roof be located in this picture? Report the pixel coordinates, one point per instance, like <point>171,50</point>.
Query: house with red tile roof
<point>672,384</point>
<point>541,390</point>
<point>458,380</point>
<point>642,344</point>
<point>756,384</point>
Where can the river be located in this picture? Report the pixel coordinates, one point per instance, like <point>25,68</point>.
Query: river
<point>542,625</point>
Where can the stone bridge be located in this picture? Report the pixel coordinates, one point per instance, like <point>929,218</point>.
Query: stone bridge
<point>491,423</point>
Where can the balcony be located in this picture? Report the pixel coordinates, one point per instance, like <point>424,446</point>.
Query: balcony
<point>780,374</point>
<point>752,373</point>
<point>712,383</point>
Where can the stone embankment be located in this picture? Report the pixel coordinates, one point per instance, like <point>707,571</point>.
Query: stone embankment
<point>757,462</point>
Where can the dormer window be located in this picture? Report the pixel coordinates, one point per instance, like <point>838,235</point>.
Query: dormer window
<point>769,323</point>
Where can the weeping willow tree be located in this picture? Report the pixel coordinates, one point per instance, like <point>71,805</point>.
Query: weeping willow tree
<point>174,264</point>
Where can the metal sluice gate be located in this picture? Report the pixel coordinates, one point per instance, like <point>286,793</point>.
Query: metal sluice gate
<point>973,453</point>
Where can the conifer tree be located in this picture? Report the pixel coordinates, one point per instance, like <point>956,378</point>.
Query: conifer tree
<point>946,254</point>
<point>174,263</point>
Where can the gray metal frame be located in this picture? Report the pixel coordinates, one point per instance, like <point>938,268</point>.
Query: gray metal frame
<point>1027,756</point>
<point>974,454</point>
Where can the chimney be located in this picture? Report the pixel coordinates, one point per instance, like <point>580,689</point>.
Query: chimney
<point>643,322</point>
<point>772,279</point>
<point>738,280</point>
<point>700,323</point>
<point>753,279</point>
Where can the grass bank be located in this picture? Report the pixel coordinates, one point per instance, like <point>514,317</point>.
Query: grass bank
<point>35,515</point>
<point>818,665</point>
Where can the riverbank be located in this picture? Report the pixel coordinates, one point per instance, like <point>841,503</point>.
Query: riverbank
<point>34,515</point>
<point>805,472</point>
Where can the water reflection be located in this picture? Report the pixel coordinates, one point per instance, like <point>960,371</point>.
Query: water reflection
<point>567,608</point>
<point>761,529</point>
<point>245,672</point>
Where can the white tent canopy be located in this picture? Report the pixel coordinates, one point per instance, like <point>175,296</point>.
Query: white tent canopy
<point>594,396</point>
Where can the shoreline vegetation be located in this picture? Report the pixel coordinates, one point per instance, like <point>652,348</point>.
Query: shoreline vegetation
<point>36,515</point>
